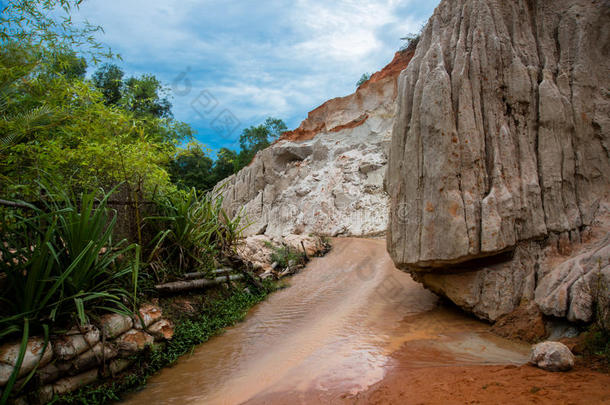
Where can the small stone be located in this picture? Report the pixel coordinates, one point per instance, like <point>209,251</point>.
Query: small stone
<point>274,265</point>
<point>115,324</point>
<point>133,341</point>
<point>552,356</point>
<point>162,330</point>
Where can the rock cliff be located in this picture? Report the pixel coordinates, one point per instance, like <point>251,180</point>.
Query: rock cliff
<point>500,155</point>
<point>326,176</point>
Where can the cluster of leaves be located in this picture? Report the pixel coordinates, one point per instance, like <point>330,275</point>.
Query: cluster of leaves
<point>48,24</point>
<point>60,263</point>
<point>215,315</point>
<point>193,167</point>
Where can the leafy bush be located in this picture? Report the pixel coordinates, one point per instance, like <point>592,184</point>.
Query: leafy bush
<point>60,265</point>
<point>283,255</point>
<point>363,79</point>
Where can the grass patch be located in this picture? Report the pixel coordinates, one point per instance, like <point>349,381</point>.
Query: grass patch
<point>215,315</point>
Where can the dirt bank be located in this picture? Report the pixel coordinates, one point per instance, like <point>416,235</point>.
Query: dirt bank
<point>477,384</point>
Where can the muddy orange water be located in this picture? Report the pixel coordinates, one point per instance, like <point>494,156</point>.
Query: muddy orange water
<point>333,330</point>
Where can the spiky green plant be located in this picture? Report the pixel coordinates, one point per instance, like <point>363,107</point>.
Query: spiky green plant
<point>193,230</point>
<point>60,263</point>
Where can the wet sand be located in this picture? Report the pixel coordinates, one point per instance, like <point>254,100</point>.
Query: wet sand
<point>406,384</point>
<point>352,329</point>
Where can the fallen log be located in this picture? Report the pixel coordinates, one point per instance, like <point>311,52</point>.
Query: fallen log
<point>199,274</point>
<point>195,284</point>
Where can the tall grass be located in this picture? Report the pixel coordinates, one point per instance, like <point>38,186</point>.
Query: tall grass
<point>61,265</point>
<point>193,231</point>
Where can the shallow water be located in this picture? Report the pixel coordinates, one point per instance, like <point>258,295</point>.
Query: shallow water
<point>334,329</point>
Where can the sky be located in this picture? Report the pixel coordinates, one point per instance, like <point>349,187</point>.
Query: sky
<point>230,64</point>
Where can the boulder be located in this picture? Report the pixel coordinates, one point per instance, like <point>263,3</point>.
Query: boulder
<point>552,356</point>
<point>499,147</point>
<point>34,355</point>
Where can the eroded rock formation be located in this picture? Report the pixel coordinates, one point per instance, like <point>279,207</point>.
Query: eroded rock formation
<point>325,177</point>
<point>500,154</point>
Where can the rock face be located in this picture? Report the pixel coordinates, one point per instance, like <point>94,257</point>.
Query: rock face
<point>325,177</point>
<point>552,356</point>
<point>500,153</point>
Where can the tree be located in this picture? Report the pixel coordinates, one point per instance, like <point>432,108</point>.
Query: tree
<point>109,80</point>
<point>146,96</point>
<point>68,64</point>
<point>48,23</point>
<point>224,166</point>
<point>192,167</point>
<point>257,138</point>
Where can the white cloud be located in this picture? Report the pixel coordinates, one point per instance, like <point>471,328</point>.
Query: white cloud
<point>279,58</point>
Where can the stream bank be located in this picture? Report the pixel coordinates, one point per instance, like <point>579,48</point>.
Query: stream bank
<point>334,334</point>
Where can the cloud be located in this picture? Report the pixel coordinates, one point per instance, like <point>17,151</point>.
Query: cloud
<point>277,58</point>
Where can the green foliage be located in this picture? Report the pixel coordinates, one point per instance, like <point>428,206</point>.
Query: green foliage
<point>73,135</point>
<point>598,336</point>
<point>145,96</point>
<point>363,79</point>
<point>255,139</point>
<point>283,255</point>
<point>108,78</point>
<point>597,343</point>
<point>192,167</point>
<point>224,166</point>
<point>47,23</point>
<point>61,263</point>
<point>192,231</point>
<point>215,315</point>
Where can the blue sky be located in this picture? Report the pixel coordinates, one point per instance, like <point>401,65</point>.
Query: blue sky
<point>233,63</point>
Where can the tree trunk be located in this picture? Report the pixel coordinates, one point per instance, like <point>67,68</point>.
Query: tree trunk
<point>196,284</point>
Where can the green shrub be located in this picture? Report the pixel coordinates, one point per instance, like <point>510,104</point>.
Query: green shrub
<point>363,79</point>
<point>192,231</point>
<point>61,265</point>
<point>283,255</point>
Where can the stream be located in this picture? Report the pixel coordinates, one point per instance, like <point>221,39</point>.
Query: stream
<point>333,330</point>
